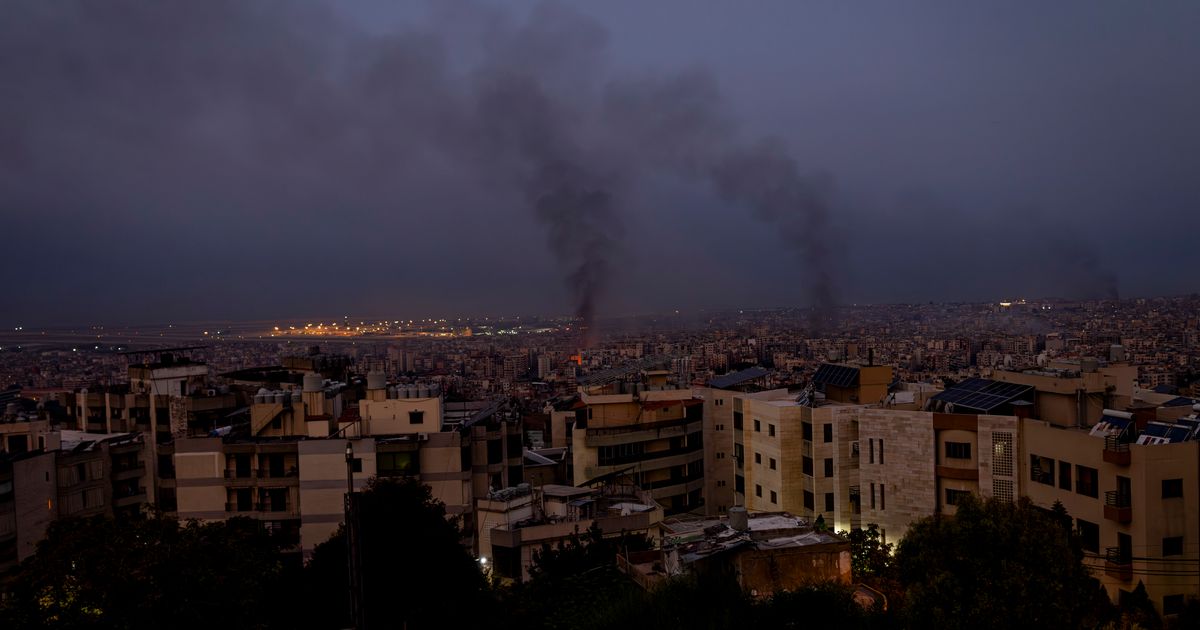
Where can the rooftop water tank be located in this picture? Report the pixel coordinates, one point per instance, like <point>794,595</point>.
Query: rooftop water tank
<point>313,382</point>
<point>739,519</point>
<point>376,380</point>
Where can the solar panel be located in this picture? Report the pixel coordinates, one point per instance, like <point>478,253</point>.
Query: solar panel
<point>735,378</point>
<point>981,394</point>
<point>836,375</point>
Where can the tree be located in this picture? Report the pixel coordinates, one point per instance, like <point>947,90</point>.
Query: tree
<point>996,564</point>
<point>869,555</point>
<point>415,570</point>
<point>146,572</point>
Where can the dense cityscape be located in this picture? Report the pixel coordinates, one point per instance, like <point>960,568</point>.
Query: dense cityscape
<point>558,314</point>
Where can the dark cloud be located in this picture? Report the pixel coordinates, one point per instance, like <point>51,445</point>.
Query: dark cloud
<point>253,159</point>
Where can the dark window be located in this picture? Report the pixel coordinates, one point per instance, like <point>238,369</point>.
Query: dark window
<point>772,463</point>
<point>828,501</point>
<point>1172,546</point>
<point>882,498</point>
<point>827,431</point>
<point>1041,470</point>
<point>275,465</point>
<point>1172,488</point>
<point>245,500</point>
<point>881,451</point>
<point>1089,535</point>
<point>416,417</point>
<point>356,464</point>
<point>809,501</point>
<point>465,460</point>
<point>166,467</point>
<point>1064,475</point>
<point>828,467</point>
<point>758,458</point>
<point>242,465</point>
<point>770,430</point>
<point>277,422</point>
<point>954,496</point>
<point>737,420</point>
<point>871,450</point>
<point>739,455</point>
<point>757,426</point>
<point>806,428</point>
<point>495,451</point>
<point>1172,604</point>
<point>958,450</point>
<point>1087,481</point>
<point>774,498</point>
<point>757,490</point>
<point>807,466</point>
<point>872,496</point>
<point>739,484</point>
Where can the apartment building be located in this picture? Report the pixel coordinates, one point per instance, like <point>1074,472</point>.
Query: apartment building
<point>1134,494</point>
<point>292,474</point>
<point>649,429</point>
<point>719,462</point>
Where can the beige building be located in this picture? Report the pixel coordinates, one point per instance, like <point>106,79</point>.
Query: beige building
<point>1133,495</point>
<point>292,472</point>
<point>650,430</point>
<point>517,522</point>
<point>1075,395</point>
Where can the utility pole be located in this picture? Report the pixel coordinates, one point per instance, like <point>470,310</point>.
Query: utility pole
<point>352,543</point>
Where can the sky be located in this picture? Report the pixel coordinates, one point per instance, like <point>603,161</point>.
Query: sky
<point>252,160</point>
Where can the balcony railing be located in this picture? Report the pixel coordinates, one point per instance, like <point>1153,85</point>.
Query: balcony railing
<point>1118,564</point>
<point>1116,452</point>
<point>266,473</point>
<point>238,474</point>
<point>1118,506</point>
<point>272,507</point>
<point>233,507</point>
<point>127,466</point>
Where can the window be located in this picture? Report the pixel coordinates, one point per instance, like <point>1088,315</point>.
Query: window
<point>809,501</point>
<point>1064,475</point>
<point>739,484</point>
<point>739,455</point>
<point>772,463</point>
<point>720,455</point>
<point>757,490</point>
<point>807,466</point>
<point>245,500</point>
<point>737,420</point>
<point>356,464</point>
<point>617,454</point>
<point>880,451</point>
<point>774,498</point>
<point>828,467</point>
<point>416,417</point>
<point>871,450</point>
<point>1089,535</point>
<point>958,450</point>
<point>396,464</point>
<point>757,426</point>
<point>720,427</point>
<point>1087,481</point>
<point>1041,469</point>
<point>770,430</point>
<point>1172,488</point>
<point>954,496</point>
<point>882,498</point>
<point>806,428</point>
<point>1172,604</point>
<point>827,433</point>
<point>1172,546</point>
<point>828,501</point>
<point>1002,451</point>
<point>758,458</point>
<point>872,495</point>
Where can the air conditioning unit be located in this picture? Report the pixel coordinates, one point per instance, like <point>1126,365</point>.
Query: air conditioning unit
<point>854,449</point>
<point>210,392</point>
<point>422,437</point>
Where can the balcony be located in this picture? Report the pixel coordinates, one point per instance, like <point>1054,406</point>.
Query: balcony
<point>129,496</point>
<point>233,507</point>
<point>272,507</point>
<point>1118,506</point>
<point>127,470</point>
<point>1118,565</point>
<point>1116,452</point>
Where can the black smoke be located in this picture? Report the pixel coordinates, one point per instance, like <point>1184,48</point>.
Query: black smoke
<point>188,121</point>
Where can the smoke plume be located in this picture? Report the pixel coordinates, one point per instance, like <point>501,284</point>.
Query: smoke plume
<point>260,113</point>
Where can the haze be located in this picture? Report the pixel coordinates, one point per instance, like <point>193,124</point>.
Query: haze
<point>228,159</point>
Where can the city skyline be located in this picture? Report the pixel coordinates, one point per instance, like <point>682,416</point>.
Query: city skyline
<point>951,154</point>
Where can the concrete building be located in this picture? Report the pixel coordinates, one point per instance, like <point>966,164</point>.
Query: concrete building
<point>516,522</point>
<point>766,552</point>
<point>1075,394</point>
<point>1134,494</point>
<point>649,429</point>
